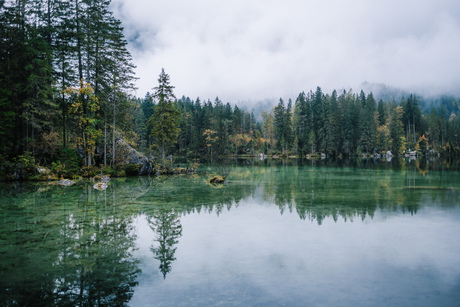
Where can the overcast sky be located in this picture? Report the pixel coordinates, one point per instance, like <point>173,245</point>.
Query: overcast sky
<point>252,50</point>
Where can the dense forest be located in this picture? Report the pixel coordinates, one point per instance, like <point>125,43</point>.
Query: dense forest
<point>332,124</point>
<point>66,84</point>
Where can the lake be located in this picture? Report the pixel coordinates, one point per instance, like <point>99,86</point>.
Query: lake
<point>278,233</point>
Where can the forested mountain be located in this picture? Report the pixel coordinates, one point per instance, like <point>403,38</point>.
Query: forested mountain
<point>66,79</point>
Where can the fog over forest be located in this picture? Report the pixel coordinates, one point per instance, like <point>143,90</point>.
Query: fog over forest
<point>256,50</point>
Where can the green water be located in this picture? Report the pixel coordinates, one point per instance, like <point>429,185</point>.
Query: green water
<point>276,234</point>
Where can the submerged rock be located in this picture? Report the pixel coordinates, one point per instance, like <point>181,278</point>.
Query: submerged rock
<point>66,182</point>
<point>180,170</point>
<point>217,179</point>
<point>101,186</point>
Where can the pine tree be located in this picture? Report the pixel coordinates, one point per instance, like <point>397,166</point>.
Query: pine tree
<point>335,124</point>
<point>288,135</point>
<point>368,125</point>
<point>300,123</point>
<point>317,117</point>
<point>279,116</point>
<point>397,131</point>
<point>350,122</point>
<point>237,115</point>
<point>165,119</point>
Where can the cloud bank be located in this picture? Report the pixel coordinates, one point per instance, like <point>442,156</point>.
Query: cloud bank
<point>252,50</point>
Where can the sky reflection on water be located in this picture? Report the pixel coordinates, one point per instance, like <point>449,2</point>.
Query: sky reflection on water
<point>252,255</point>
<point>274,235</point>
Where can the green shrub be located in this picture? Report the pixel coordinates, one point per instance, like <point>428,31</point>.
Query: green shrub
<point>26,162</point>
<point>58,169</point>
<point>71,161</point>
<point>113,172</point>
<point>90,171</point>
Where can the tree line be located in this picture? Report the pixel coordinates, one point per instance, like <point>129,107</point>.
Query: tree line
<point>66,79</point>
<point>344,124</point>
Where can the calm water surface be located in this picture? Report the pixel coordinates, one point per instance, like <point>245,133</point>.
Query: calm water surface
<point>274,235</point>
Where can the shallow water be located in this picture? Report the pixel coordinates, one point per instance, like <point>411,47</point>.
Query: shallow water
<point>279,234</point>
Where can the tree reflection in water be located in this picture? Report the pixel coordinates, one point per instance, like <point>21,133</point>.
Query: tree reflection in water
<point>67,247</point>
<point>166,224</point>
<point>74,246</point>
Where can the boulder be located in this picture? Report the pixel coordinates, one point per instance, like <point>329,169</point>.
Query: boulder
<point>129,155</point>
<point>43,170</point>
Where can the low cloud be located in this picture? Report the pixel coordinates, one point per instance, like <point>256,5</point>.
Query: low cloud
<point>241,50</point>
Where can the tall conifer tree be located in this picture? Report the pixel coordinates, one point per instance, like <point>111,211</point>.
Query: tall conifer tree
<point>166,116</point>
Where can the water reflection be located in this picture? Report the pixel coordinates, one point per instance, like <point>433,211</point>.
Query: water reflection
<point>76,245</point>
<point>166,224</point>
<point>67,247</point>
<point>316,193</point>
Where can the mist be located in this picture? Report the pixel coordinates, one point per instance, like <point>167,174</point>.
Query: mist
<point>256,50</point>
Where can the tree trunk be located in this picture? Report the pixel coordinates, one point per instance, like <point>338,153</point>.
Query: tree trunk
<point>105,140</point>
<point>79,43</point>
<point>163,154</point>
<point>236,143</point>
<point>113,135</point>
<point>85,154</point>
<point>64,111</point>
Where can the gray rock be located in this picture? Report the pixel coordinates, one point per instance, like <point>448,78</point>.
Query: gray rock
<point>130,155</point>
<point>43,170</point>
<point>19,174</point>
<point>101,186</point>
<point>66,182</point>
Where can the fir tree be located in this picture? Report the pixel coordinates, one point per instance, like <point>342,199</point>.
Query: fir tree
<point>165,119</point>
<point>397,131</point>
